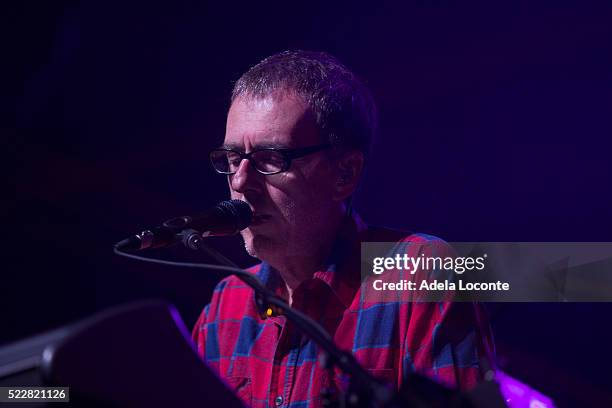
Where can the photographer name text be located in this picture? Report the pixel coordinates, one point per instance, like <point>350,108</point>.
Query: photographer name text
<point>443,285</point>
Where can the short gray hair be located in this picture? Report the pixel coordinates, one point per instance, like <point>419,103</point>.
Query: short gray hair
<point>344,109</point>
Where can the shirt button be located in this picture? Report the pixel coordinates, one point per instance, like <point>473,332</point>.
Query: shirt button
<point>278,401</point>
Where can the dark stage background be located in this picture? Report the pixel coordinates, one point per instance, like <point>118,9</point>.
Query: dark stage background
<point>495,126</point>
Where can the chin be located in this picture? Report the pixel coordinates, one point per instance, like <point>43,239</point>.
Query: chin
<point>257,246</point>
<point>248,246</point>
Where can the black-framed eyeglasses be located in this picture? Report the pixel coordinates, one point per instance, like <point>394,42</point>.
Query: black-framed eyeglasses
<point>266,160</point>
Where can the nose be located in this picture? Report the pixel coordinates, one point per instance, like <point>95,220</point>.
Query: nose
<point>246,178</point>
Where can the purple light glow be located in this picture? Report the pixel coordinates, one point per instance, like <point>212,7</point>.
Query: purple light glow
<point>519,395</point>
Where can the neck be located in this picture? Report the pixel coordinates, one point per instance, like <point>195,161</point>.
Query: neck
<point>296,267</point>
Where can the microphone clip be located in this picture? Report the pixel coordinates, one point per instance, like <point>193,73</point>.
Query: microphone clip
<point>192,239</point>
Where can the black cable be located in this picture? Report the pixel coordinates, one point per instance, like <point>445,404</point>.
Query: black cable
<point>232,269</point>
<point>318,332</point>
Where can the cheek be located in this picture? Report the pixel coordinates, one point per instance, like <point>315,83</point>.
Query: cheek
<point>319,189</point>
<point>282,199</point>
<point>300,202</point>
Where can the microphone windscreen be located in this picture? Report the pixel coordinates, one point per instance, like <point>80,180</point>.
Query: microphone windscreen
<point>239,211</point>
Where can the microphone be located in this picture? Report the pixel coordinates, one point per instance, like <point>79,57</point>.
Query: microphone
<point>226,218</point>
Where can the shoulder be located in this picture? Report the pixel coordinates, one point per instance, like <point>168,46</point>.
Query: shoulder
<point>421,237</point>
<point>412,243</point>
<point>384,234</point>
<point>426,244</point>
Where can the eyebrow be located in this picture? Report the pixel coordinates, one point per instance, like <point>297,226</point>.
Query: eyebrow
<point>238,147</point>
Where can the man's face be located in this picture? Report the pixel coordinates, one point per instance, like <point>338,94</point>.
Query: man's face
<point>292,207</point>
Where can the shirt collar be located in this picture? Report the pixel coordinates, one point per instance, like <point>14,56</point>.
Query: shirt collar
<point>342,273</point>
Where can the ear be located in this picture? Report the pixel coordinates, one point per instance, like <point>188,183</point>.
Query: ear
<point>348,173</point>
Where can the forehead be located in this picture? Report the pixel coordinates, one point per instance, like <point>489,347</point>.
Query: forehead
<point>281,120</point>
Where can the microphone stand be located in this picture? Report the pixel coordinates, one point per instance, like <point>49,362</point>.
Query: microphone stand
<point>364,387</point>
<point>364,390</point>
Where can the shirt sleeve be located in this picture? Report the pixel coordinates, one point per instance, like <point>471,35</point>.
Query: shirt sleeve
<point>446,340</point>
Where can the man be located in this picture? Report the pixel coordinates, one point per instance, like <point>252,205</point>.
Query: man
<point>298,136</point>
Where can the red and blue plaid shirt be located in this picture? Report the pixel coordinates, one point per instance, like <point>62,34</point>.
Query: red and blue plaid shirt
<point>269,363</point>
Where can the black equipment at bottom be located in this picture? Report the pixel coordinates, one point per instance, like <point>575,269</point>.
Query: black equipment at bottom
<point>138,355</point>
